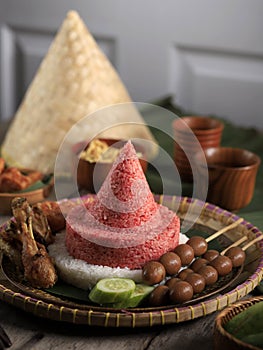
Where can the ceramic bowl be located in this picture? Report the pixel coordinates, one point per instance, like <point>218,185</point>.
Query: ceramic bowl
<point>90,175</point>
<point>232,176</point>
<point>37,193</point>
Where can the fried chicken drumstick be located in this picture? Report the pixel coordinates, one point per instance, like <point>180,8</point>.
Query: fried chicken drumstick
<point>39,269</point>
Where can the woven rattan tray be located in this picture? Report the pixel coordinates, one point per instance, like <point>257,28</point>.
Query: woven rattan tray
<point>211,219</point>
<point>225,340</point>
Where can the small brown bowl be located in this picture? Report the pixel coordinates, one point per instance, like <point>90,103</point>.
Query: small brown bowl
<point>222,338</point>
<point>201,126</point>
<point>232,176</point>
<point>192,146</point>
<point>34,196</point>
<point>86,169</point>
<point>192,134</point>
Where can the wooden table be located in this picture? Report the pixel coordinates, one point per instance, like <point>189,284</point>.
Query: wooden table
<point>29,332</point>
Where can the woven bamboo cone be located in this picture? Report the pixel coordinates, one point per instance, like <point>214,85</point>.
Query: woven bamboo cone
<point>74,80</point>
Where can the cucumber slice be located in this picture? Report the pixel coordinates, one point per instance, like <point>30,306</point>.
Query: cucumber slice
<point>138,295</point>
<point>112,290</point>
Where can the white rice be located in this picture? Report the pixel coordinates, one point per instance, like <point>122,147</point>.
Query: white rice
<point>83,275</point>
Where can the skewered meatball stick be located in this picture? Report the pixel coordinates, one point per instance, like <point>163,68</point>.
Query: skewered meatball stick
<point>184,254</point>
<point>224,229</point>
<point>198,245</point>
<point>236,243</point>
<point>231,257</point>
<point>217,264</point>
<point>237,254</point>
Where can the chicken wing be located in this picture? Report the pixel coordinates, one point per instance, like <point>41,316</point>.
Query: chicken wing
<point>41,228</point>
<point>52,212</point>
<point>39,269</point>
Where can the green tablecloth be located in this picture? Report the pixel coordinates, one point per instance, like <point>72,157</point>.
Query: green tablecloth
<point>233,136</point>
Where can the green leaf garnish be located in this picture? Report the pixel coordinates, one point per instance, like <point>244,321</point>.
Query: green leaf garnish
<point>67,291</point>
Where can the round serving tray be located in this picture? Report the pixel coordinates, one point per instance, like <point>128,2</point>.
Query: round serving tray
<point>211,219</point>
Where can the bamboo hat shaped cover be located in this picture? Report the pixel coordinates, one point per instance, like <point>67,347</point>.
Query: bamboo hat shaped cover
<point>74,80</point>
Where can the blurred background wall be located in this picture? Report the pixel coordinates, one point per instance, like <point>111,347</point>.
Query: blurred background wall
<point>206,54</point>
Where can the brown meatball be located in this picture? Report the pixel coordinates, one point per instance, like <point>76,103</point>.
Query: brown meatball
<point>236,255</point>
<point>185,252</point>
<point>211,254</point>
<point>153,272</point>
<point>209,273</point>
<point>198,244</point>
<point>222,264</point>
<point>171,262</point>
<point>195,266</point>
<point>181,292</point>
<point>171,281</point>
<point>182,275</point>
<point>159,296</point>
<point>197,281</point>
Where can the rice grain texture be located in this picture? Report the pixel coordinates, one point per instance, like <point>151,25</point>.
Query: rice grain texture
<point>124,226</point>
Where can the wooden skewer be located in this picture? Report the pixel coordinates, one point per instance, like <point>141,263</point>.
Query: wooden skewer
<point>235,244</point>
<point>223,230</point>
<point>258,238</point>
<point>241,240</point>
